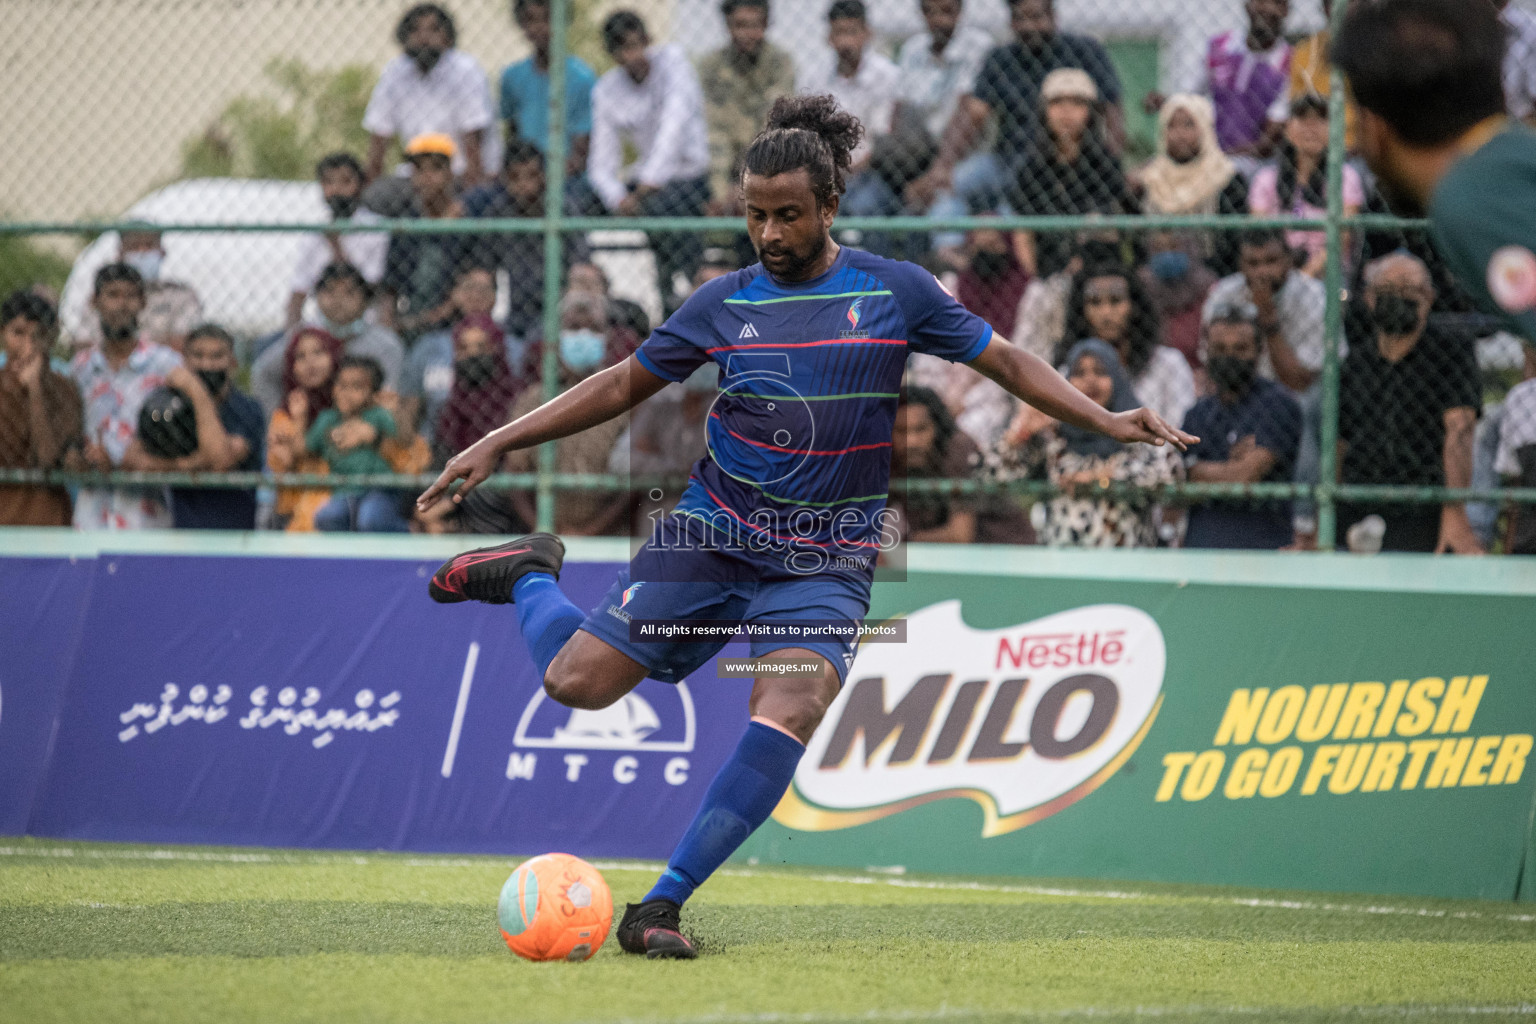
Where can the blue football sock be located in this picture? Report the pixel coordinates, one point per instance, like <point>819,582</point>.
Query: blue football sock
<point>547,616</point>
<point>745,791</point>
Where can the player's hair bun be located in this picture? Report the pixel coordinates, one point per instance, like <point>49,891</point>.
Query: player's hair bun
<point>810,132</point>
<point>821,116</point>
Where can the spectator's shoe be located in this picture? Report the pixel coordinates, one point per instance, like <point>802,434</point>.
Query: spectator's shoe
<point>652,928</point>
<point>487,574</point>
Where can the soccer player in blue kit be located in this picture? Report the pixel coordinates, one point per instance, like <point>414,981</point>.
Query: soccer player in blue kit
<point>782,520</point>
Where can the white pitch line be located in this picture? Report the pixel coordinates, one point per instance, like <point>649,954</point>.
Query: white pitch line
<point>788,876</point>
<point>458,709</point>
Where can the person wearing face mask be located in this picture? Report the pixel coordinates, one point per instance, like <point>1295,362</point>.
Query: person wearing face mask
<point>432,87</point>
<point>483,388</point>
<point>341,296</point>
<point>210,354</point>
<point>341,187</point>
<point>1250,432</point>
<point>171,308</point>
<point>1409,398</point>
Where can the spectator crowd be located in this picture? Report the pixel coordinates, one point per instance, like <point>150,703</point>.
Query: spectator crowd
<point>397,351</point>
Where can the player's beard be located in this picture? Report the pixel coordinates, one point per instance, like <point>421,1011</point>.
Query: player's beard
<point>791,265</point>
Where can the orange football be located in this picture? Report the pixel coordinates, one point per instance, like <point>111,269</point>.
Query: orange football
<point>555,907</point>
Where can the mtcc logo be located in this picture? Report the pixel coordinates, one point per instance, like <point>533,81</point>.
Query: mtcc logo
<point>1024,720</point>
<point>655,718</point>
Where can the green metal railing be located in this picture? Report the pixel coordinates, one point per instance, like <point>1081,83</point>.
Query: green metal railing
<point>555,225</point>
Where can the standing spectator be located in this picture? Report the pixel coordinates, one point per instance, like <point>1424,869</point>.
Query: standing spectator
<point>1409,398</point>
<point>1289,303</point>
<point>309,375</point>
<point>348,436</point>
<point>651,105</point>
<point>1247,76</point>
<point>1310,70</point>
<point>483,388</point>
<point>39,413</point>
<point>1177,285</point>
<point>1296,185</point>
<point>1250,432</point>
<point>1069,173</point>
<point>1108,303</point>
<point>114,377</point>
<point>1191,176</point>
<point>525,92</point>
<point>342,295</point>
<point>429,370</point>
<point>1008,89</point>
<point>740,82</point>
<point>341,185</point>
<point>863,82</point>
<point>419,270</point>
<point>519,193</point>
<point>1519,60</point>
<point>939,66</point>
<point>1075,459</point>
<point>433,88</point>
<point>171,308</point>
<point>210,354</point>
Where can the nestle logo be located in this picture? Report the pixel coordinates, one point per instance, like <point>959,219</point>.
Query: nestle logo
<point>1062,650</point>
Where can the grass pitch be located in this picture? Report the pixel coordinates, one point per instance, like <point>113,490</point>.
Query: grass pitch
<point>121,933</point>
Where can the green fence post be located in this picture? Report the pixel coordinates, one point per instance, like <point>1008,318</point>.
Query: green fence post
<point>554,248</point>
<point>1333,315</point>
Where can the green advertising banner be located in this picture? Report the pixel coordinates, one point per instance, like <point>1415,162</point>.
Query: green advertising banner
<point>1275,736</point>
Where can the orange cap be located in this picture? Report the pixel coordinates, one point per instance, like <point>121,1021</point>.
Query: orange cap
<point>434,143</point>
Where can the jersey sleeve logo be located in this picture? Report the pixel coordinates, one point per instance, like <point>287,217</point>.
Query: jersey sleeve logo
<point>1512,278</point>
<point>855,314</point>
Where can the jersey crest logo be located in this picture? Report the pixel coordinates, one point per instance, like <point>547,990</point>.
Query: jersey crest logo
<point>629,592</point>
<point>855,314</point>
<point>747,331</point>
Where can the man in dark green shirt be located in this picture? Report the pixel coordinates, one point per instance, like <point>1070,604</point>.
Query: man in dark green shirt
<point>1427,75</point>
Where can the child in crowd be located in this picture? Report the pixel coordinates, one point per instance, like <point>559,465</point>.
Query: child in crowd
<point>309,374</point>
<point>348,436</point>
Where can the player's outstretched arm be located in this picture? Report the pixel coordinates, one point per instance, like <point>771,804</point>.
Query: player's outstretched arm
<point>595,400</point>
<point>1032,379</point>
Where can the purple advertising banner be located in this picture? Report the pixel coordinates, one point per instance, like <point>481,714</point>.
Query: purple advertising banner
<point>41,602</point>
<point>329,703</point>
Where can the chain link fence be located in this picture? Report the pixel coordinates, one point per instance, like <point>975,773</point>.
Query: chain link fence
<point>277,275</point>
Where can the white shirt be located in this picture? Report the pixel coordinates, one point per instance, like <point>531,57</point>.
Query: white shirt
<point>454,98</point>
<point>870,95</point>
<point>661,118</point>
<point>933,85</point>
<point>1299,306</point>
<point>365,250</point>
<point>1517,427</point>
<point>1167,385</point>
<point>1520,61</point>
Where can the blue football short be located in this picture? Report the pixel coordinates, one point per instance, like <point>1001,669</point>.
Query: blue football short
<point>677,584</point>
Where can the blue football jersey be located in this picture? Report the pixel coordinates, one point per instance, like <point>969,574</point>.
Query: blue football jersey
<point>799,437</point>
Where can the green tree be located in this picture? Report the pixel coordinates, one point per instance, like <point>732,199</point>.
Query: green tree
<point>25,262</point>
<point>314,112</point>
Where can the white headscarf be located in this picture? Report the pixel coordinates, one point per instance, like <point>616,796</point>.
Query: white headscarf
<point>1193,188</point>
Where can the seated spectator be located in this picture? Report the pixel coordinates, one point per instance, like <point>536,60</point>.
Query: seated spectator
<point>584,327</point>
<point>1075,459</point>
<point>938,69</point>
<point>1409,398</point>
<point>740,81</point>
<point>40,413</point>
<point>432,88</point>
<point>519,193</point>
<point>1070,172</point>
<point>309,367</point>
<point>171,308</point>
<point>1515,456</point>
<point>1008,89</point>
<point>114,377</point>
<point>1250,432</point>
<point>429,372</point>
<point>210,354</point>
<point>993,281</point>
<point>629,325</point>
<point>483,388</point>
<point>1310,73</point>
<point>650,105</point>
<point>1108,303</point>
<point>419,270</point>
<point>1296,185</point>
<point>1191,176</point>
<point>349,436</point>
<point>525,92</point>
<point>1246,75</point>
<point>1177,285</point>
<point>666,437</point>
<point>342,295</point>
<point>926,444</point>
<point>341,185</point>
<point>1290,307</point>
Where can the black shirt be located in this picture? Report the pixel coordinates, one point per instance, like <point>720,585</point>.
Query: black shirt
<point>1010,80</point>
<point>1392,415</point>
<point>207,508</point>
<point>520,255</point>
<point>419,270</point>
<point>1043,186</point>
